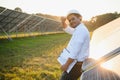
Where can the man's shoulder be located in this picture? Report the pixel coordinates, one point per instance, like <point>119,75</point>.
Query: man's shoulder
<point>81,30</point>
<point>80,27</point>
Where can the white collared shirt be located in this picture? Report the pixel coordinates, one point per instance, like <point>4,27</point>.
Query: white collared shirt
<point>78,45</point>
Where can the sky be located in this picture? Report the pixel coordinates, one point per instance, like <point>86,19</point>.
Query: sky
<point>87,8</point>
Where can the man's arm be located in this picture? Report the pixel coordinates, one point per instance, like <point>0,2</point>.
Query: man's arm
<point>64,25</point>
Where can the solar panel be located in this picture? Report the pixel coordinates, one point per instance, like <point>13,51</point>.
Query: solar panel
<point>1,17</point>
<point>105,39</point>
<point>9,19</point>
<point>91,63</point>
<point>99,73</point>
<point>105,45</point>
<point>7,12</point>
<point>29,23</point>
<point>14,14</point>
<point>115,64</point>
<point>49,26</point>
<point>22,16</point>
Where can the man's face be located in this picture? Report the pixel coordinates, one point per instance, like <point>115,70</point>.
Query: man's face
<point>74,21</point>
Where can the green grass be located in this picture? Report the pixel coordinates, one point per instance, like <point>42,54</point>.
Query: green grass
<point>32,58</point>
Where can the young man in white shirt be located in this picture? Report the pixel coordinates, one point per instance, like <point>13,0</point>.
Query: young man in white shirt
<point>78,45</point>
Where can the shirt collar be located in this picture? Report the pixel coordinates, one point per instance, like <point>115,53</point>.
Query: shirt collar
<point>81,24</point>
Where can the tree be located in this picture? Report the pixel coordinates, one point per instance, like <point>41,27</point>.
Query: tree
<point>18,9</point>
<point>100,20</point>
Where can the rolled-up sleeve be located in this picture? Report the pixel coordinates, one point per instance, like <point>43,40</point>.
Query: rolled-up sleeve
<point>69,30</point>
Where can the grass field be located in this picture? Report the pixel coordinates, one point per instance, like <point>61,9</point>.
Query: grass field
<point>31,58</point>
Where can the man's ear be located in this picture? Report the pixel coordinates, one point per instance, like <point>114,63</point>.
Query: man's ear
<point>80,18</point>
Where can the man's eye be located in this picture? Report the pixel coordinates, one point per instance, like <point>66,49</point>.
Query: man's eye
<point>71,19</point>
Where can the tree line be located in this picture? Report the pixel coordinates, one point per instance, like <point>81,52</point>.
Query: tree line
<point>94,23</point>
<point>99,20</point>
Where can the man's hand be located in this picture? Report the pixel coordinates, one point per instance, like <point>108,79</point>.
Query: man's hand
<point>63,19</point>
<point>64,67</point>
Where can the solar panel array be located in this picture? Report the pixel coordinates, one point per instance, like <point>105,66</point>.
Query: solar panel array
<point>17,22</point>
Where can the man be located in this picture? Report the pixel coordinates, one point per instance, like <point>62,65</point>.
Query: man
<point>78,46</point>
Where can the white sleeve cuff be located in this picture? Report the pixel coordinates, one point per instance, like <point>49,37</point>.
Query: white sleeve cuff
<point>69,30</point>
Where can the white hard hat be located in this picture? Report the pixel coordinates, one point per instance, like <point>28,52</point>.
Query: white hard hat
<point>73,11</point>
